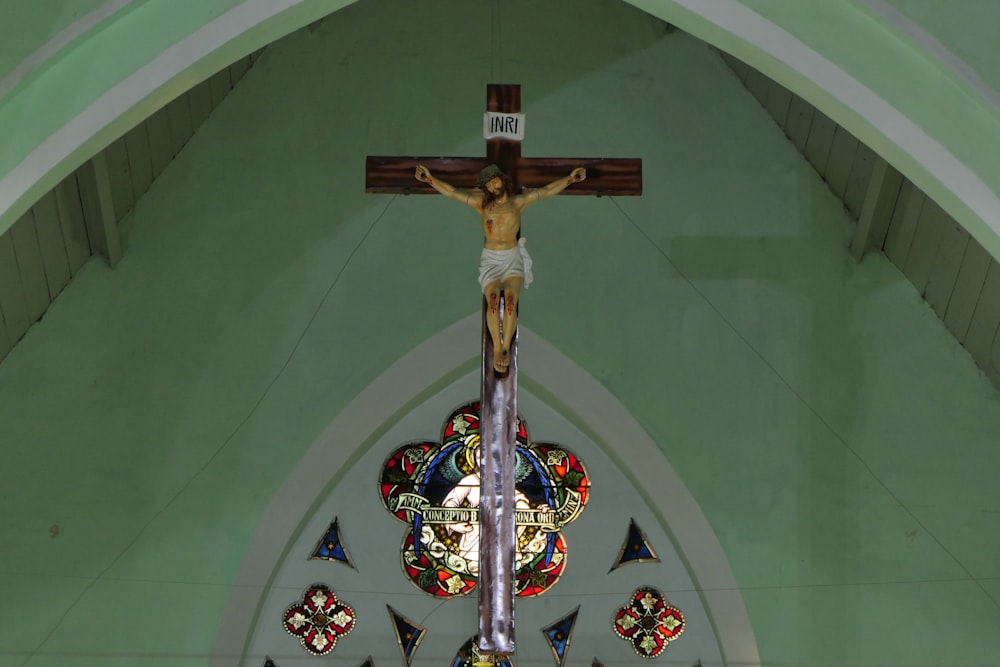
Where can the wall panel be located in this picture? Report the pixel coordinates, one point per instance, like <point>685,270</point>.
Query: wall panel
<point>779,101</point>
<point>956,276</point>
<point>220,84</point>
<point>179,122</point>
<point>72,222</point>
<point>239,68</point>
<point>857,182</point>
<point>903,223</point>
<point>799,120</point>
<point>758,85</point>
<point>42,251</point>
<point>953,241</point>
<point>819,141</point>
<point>12,300</point>
<point>740,68</point>
<point>5,342</point>
<point>993,371</point>
<point>30,266</point>
<point>140,163</point>
<point>51,243</point>
<point>120,176</point>
<point>843,150</point>
<point>925,246</point>
<point>968,286</point>
<point>200,101</point>
<point>160,145</point>
<point>985,318</point>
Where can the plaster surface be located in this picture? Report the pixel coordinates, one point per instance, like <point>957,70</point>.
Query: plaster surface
<point>836,437</point>
<point>904,99</point>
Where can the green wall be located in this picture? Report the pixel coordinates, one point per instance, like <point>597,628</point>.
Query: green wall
<point>839,442</point>
<point>850,61</point>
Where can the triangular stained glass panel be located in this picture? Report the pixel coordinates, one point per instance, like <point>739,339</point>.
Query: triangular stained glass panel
<point>331,546</point>
<point>368,662</point>
<point>559,634</point>
<point>468,655</point>
<point>635,548</point>
<point>408,634</point>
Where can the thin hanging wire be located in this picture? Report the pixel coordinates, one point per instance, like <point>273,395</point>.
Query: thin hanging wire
<point>808,406</point>
<point>232,434</point>
<point>496,55</point>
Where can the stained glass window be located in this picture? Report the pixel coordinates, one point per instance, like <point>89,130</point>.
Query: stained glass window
<point>331,546</point>
<point>469,656</point>
<point>408,634</point>
<point>433,487</point>
<point>635,548</point>
<point>559,634</point>
<point>648,622</point>
<point>319,619</point>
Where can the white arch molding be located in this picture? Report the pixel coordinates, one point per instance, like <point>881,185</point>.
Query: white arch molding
<point>726,24</point>
<point>732,26</point>
<point>563,385</point>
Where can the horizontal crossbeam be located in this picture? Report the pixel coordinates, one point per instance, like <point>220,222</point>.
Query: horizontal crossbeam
<point>605,176</point>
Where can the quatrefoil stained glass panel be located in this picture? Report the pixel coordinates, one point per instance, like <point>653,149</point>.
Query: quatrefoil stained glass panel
<point>433,487</point>
<point>648,622</point>
<point>319,619</point>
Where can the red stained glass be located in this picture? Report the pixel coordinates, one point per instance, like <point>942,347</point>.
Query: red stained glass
<point>648,622</point>
<point>319,620</point>
<point>434,487</point>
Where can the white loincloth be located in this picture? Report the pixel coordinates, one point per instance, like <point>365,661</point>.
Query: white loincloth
<point>500,264</point>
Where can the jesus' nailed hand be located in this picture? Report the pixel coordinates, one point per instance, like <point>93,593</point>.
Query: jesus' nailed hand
<point>504,265</point>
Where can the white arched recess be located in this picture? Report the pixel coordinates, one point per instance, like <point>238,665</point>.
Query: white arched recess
<point>564,386</point>
<point>727,24</point>
<point>916,151</point>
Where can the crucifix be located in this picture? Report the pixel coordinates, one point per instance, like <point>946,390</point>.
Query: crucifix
<point>474,181</point>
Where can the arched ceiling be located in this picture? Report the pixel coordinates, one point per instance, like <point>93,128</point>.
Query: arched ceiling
<point>856,61</point>
<point>712,291</point>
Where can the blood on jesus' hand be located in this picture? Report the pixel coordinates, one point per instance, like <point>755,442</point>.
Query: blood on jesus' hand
<point>422,174</point>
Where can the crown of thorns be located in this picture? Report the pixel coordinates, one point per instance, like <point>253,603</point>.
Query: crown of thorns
<point>489,172</point>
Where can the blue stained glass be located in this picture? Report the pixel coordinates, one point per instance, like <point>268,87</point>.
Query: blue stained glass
<point>559,634</point>
<point>419,479</point>
<point>331,546</point>
<point>469,655</point>
<point>408,634</point>
<point>635,548</point>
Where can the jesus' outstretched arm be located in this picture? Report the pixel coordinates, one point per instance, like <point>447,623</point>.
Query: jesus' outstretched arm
<point>472,199</point>
<point>554,188</point>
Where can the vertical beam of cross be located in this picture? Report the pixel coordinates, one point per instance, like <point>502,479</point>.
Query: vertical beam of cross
<point>498,416</point>
<point>497,431</point>
<point>498,404</point>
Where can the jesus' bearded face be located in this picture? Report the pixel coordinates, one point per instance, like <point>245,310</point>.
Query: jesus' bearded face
<point>494,186</point>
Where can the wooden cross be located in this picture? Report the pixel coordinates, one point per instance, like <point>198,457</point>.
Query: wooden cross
<point>498,404</point>
<point>605,176</point>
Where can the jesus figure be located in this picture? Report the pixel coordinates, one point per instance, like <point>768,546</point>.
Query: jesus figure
<point>504,265</point>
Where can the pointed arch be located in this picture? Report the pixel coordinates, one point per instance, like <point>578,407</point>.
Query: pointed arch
<point>563,385</point>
